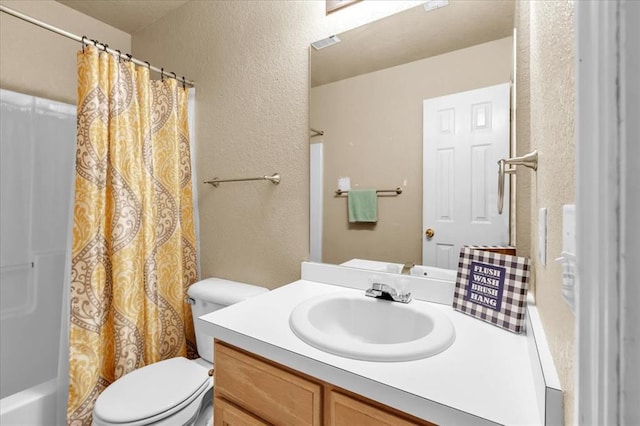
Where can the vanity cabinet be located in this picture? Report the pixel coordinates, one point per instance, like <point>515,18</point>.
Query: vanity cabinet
<point>228,414</point>
<point>251,390</point>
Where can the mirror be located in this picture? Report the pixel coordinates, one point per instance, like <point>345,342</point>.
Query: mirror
<point>366,99</point>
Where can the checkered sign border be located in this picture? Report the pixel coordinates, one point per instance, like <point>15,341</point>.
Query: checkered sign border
<point>512,313</point>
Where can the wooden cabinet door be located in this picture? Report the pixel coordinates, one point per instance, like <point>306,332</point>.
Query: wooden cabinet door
<point>227,414</point>
<point>266,390</point>
<point>347,411</point>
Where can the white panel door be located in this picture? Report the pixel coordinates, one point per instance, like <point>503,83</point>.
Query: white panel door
<point>465,134</point>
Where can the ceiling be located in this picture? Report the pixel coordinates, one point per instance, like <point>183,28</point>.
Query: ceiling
<point>412,35</point>
<point>129,16</point>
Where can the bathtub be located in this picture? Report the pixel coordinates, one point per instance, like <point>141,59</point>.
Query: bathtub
<point>31,407</point>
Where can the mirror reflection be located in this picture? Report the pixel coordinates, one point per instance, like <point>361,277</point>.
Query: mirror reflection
<point>367,97</point>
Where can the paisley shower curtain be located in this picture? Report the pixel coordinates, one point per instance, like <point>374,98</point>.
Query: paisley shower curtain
<point>133,249</point>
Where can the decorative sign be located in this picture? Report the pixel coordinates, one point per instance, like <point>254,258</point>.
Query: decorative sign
<point>486,283</point>
<point>492,287</point>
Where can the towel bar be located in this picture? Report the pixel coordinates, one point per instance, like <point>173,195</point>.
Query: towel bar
<point>398,191</point>
<point>274,179</point>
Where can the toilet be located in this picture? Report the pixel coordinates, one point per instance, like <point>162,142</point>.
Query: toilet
<point>175,391</point>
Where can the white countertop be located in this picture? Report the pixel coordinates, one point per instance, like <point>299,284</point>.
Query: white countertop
<point>485,377</point>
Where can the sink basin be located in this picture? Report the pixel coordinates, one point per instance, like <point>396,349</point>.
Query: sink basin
<point>355,326</point>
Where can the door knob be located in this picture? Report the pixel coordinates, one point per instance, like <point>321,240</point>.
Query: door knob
<point>429,233</point>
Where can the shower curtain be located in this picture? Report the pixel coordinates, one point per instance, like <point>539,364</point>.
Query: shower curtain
<point>134,245</point>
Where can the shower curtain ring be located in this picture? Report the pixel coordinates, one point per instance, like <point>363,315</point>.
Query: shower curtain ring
<point>97,44</point>
<point>148,65</point>
<point>129,57</point>
<point>161,74</point>
<point>83,42</point>
<point>175,76</point>
<point>184,84</point>
<point>119,55</point>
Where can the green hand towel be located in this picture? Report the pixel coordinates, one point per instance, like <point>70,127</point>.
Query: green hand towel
<point>363,205</point>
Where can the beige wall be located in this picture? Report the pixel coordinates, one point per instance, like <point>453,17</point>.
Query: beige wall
<point>546,63</point>
<point>249,60</point>
<point>373,134</point>
<point>41,63</point>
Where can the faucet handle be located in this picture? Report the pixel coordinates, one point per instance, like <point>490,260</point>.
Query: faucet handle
<point>383,288</point>
<point>403,290</point>
<point>373,292</point>
<point>385,291</point>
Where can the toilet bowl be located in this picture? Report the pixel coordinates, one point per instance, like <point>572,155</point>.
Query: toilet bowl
<point>174,391</point>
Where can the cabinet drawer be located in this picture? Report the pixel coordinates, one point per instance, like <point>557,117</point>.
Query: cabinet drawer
<point>269,392</point>
<point>227,414</point>
<point>347,411</point>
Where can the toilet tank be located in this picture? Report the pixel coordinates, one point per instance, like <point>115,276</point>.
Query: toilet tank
<point>212,294</point>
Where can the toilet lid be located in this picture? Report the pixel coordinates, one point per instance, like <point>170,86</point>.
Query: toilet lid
<point>152,390</point>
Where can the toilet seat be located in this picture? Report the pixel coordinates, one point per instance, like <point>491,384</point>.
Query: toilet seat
<point>153,393</point>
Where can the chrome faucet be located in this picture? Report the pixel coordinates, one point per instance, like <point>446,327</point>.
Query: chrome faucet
<point>387,292</point>
<point>406,268</point>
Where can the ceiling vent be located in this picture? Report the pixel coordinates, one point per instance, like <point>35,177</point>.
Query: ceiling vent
<point>325,42</point>
<point>435,4</point>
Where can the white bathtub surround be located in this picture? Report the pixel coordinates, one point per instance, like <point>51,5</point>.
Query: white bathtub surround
<point>486,377</point>
<point>38,146</point>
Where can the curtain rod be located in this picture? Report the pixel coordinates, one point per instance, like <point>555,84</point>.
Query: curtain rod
<point>85,40</point>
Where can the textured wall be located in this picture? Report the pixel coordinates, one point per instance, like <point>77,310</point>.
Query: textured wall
<point>40,63</point>
<point>552,99</point>
<point>373,134</point>
<point>250,61</point>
